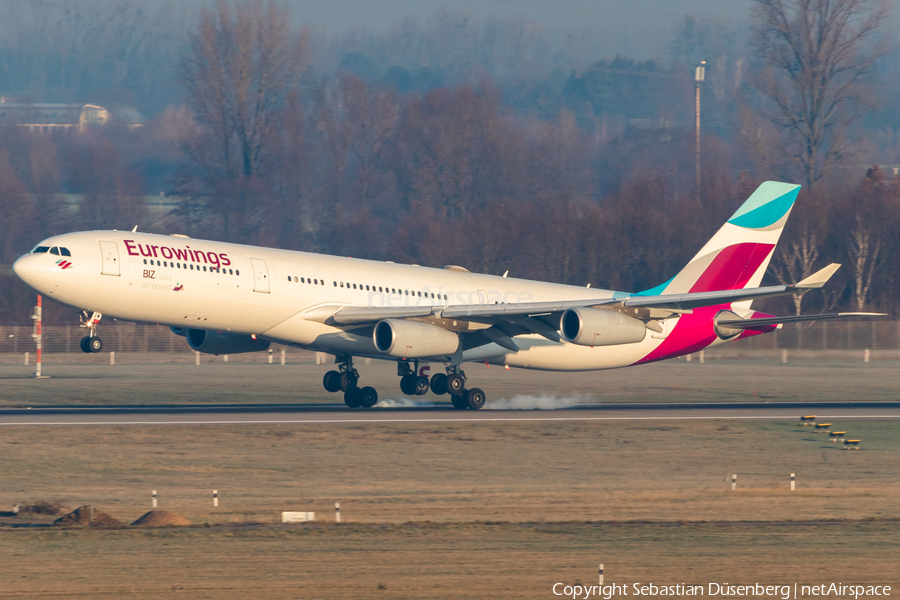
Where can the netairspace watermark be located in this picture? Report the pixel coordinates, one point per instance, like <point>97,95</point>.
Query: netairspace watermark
<point>716,590</point>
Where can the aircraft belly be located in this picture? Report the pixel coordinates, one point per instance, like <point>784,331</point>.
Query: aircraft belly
<point>299,330</point>
<point>541,354</point>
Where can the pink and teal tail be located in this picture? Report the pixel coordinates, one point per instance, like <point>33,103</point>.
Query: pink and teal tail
<point>738,254</point>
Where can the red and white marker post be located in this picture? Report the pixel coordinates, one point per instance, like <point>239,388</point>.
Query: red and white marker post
<point>37,335</point>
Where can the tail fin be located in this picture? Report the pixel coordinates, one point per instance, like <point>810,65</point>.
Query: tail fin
<point>738,255</point>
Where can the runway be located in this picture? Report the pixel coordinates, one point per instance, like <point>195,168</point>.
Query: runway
<point>248,414</point>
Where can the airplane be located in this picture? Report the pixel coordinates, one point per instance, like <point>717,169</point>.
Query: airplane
<point>228,298</point>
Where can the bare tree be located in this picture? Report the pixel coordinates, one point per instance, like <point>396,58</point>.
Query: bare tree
<point>239,67</point>
<point>794,262</point>
<point>817,54</point>
<point>864,248</point>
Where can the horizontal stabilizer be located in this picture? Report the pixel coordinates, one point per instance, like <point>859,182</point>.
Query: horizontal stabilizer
<point>769,321</point>
<point>819,278</point>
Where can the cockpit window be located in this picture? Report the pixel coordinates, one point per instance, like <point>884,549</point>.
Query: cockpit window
<point>41,249</point>
<point>64,251</point>
<point>54,250</point>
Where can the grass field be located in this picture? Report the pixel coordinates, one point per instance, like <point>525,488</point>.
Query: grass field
<point>173,378</point>
<point>435,560</point>
<point>456,510</point>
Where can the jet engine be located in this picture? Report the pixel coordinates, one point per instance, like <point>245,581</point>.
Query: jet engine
<point>412,339</point>
<point>217,342</point>
<point>182,331</point>
<point>597,327</point>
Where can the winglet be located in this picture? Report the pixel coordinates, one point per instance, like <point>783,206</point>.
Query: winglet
<point>819,278</point>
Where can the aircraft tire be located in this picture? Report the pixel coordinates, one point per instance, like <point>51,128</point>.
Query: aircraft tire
<point>459,402</point>
<point>455,384</point>
<point>86,345</point>
<point>439,384</point>
<point>332,381</point>
<point>408,385</point>
<point>95,344</point>
<point>353,397</point>
<point>348,381</point>
<point>421,386</point>
<point>475,398</point>
<point>368,397</point>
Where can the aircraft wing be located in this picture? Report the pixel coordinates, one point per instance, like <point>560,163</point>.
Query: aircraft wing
<point>515,313</point>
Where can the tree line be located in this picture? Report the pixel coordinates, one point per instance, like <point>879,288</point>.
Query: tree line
<point>585,178</point>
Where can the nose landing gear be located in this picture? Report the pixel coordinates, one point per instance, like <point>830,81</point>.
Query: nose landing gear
<point>90,343</point>
<point>345,379</point>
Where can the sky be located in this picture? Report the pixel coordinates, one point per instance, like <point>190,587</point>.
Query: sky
<point>341,14</point>
<point>639,29</point>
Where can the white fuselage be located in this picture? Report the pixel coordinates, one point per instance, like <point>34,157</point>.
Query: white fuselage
<point>288,297</point>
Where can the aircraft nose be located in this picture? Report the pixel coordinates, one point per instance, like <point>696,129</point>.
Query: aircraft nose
<point>25,267</point>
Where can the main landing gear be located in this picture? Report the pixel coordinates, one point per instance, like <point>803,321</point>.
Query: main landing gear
<point>345,379</point>
<point>91,343</point>
<point>453,383</point>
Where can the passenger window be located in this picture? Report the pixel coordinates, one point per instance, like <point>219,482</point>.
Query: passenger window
<point>335,284</point>
<point>54,250</point>
<point>204,268</point>
<point>65,252</point>
<point>420,294</point>
<point>393,291</point>
<point>179,265</point>
<point>145,261</point>
<point>237,272</point>
<point>379,288</point>
<point>354,286</point>
<point>192,266</point>
<point>432,294</point>
<point>230,272</point>
<point>367,288</point>
<point>289,277</point>
<point>41,249</point>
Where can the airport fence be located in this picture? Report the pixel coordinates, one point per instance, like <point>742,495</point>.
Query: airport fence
<point>131,337</point>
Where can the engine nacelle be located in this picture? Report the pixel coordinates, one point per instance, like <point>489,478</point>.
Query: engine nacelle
<point>217,342</point>
<point>412,339</point>
<point>182,331</point>
<point>597,327</point>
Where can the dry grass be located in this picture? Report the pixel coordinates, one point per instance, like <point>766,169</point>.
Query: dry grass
<point>143,379</point>
<point>457,510</point>
<point>432,560</point>
<point>522,471</point>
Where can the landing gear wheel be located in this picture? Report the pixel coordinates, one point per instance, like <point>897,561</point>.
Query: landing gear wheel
<point>86,345</point>
<point>459,402</point>
<point>95,344</point>
<point>368,397</point>
<point>332,381</point>
<point>455,384</point>
<point>353,397</point>
<point>408,385</point>
<point>474,398</point>
<point>348,381</point>
<point>439,384</point>
<point>421,386</point>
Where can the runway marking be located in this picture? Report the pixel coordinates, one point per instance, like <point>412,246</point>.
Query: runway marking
<point>449,420</point>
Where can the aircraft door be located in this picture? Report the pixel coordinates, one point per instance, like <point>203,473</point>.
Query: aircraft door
<point>110,253</point>
<point>260,275</point>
